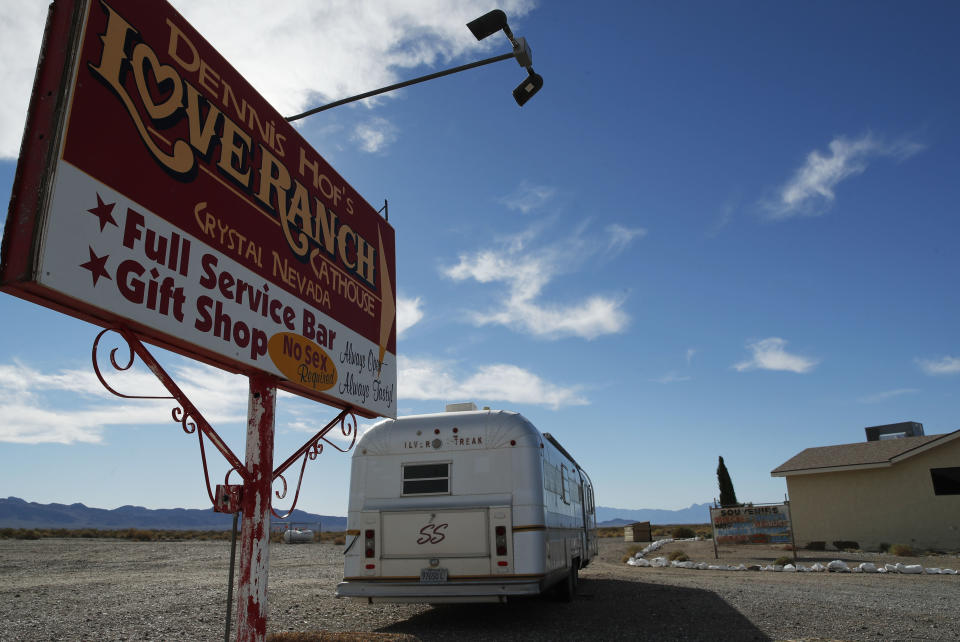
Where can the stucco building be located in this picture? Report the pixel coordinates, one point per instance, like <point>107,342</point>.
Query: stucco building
<point>894,491</point>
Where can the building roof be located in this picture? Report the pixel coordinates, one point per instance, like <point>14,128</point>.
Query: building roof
<point>865,454</point>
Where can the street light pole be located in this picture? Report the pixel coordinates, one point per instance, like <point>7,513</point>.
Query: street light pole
<point>401,85</point>
<point>486,25</point>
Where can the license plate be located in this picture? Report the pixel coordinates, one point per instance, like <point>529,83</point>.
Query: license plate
<point>433,575</point>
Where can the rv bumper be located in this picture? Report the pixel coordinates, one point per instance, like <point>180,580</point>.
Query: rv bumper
<point>493,590</point>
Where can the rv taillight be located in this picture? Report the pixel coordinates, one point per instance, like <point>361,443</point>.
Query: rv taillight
<point>370,543</point>
<point>501,540</point>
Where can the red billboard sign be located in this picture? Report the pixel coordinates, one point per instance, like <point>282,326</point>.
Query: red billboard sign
<point>157,189</point>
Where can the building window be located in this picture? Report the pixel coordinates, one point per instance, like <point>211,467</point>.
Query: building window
<point>426,479</point>
<point>946,481</point>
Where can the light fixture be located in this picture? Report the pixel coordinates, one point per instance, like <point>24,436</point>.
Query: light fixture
<point>488,24</point>
<point>494,21</point>
<point>483,27</point>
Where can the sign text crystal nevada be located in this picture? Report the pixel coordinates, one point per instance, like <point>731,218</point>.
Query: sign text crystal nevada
<point>309,226</point>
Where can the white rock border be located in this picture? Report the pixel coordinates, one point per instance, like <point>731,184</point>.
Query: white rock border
<point>836,566</point>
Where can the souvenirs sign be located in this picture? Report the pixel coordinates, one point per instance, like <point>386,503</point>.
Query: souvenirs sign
<point>768,524</point>
<point>156,189</point>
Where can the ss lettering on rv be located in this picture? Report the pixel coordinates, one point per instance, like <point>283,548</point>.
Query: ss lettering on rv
<point>432,534</point>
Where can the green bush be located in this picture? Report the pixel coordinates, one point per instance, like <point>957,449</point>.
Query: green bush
<point>783,560</point>
<point>678,556</point>
<point>902,550</point>
<point>816,546</point>
<point>842,545</point>
<point>683,532</point>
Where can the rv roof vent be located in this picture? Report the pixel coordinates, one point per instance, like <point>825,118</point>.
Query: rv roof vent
<point>461,407</point>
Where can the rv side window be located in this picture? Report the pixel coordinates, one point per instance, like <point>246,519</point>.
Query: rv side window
<point>563,483</point>
<point>426,479</point>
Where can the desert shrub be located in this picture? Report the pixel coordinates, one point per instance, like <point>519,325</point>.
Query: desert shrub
<point>678,556</point>
<point>28,534</point>
<point>339,541</point>
<point>901,550</point>
<point>683,532</point>
<point>783,560</point>
<point>842,545</point>
<point>884,547</point>
<point>816,546</point>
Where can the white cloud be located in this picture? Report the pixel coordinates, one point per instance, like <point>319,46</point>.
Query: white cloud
<point>811,189</point>
<point>409,313</point>
<point>889,394</point>
<point>672,377</point>
<point>620,236</point>
<point>690,353</point>
<point>443,380</point>
<point>374,134</point>
<point>34,403</point>
<point>942,366</point>
<point>298,54</point>
<point>526,272</point>
<point>769,354</point>
<point>528,197</point>
<point>21,30</point>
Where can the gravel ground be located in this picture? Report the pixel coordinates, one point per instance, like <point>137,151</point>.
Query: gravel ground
<point>72,589</point>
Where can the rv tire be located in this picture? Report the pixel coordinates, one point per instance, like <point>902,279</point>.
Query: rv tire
<point>567,587</point>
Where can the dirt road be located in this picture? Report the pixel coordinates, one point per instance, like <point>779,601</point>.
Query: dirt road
<point>72,589</point>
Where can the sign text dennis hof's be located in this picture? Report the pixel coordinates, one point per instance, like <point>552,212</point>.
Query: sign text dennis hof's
<point>158,190</point>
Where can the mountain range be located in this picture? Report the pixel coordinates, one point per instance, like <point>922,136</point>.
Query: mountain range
<point>18,513</point>
<point>694,514</point>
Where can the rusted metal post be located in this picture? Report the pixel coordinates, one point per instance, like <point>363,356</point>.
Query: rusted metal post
<point>255,505</point>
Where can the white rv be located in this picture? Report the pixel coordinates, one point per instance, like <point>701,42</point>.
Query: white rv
<point>465,506</point>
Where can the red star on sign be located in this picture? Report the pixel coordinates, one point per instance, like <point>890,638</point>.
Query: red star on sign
<point>97,266</point>
<point>103,212</point>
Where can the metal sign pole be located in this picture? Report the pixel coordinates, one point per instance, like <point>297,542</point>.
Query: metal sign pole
<point>793,537</point>
<point>716,553</point>
<point>255,506</point>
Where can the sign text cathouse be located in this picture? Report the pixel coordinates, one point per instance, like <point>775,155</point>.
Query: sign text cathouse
<point>157,189</point>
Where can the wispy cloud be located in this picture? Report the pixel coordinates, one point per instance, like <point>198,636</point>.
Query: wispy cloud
<point>690,353</point>
<point>374,135</point>
<point>942,366</point>
<point>362,45</point>
<point>409,313</point>
<point>526,271</point>
<point>620,236</point>
<point>769,354</point>
<point>672,377</point>
<point>528,197</point>
<point>889,394</point>
<point>811,190</point>
<point>499,382</point>
<point>34,410</point>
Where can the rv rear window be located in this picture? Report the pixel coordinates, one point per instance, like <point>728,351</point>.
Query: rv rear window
<point>426,479</point>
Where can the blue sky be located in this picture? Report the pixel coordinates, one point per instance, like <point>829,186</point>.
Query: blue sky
<point>719,229</point>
